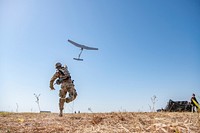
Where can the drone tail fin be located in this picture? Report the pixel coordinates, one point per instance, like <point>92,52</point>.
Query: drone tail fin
<point>78,59</point>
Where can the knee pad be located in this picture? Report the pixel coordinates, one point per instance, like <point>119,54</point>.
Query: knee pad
<point>62,100</point>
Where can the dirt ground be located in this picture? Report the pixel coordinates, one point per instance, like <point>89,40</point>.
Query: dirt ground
<point>116,122</point>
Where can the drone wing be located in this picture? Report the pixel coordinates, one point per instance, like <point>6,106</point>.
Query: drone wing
<point>82,46</point>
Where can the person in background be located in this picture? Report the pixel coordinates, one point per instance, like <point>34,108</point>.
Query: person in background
<point>194,106</point>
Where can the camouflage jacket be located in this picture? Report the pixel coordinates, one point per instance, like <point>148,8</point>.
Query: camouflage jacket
<point>62,75</point>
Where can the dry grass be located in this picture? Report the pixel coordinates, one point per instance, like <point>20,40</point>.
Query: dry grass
<point>126,122</point>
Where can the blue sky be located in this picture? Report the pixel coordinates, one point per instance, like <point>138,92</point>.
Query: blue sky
<point>146,48</point>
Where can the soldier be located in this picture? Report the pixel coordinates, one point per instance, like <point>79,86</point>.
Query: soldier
<point>63,77</point>
<point>194,107</point>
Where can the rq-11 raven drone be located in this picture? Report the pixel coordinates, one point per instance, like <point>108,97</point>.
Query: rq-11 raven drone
<point>82,47</point>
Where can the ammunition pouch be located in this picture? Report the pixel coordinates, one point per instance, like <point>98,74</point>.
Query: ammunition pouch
<point>69,77</point>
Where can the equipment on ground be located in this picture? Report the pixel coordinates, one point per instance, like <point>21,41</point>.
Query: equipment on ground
<point>82,47</point>
<point>177,106</point>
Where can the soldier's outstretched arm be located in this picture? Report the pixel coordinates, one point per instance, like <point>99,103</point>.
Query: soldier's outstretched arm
<point>55,76</point>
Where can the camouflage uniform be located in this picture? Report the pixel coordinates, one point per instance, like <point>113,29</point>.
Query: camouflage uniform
<point>63,77</point>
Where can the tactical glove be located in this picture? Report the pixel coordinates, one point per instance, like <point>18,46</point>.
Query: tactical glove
<point>51,86</point>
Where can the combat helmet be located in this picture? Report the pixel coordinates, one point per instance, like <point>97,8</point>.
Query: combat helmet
<point>58,65</point>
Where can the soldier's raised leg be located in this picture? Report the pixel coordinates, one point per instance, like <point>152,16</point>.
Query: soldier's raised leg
<point>72,95</point>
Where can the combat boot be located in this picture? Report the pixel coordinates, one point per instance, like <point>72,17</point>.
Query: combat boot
<point>61,113</point>
<point>67,100</point>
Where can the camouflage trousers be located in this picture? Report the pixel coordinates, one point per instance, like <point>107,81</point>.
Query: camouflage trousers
<point>66,88</point>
